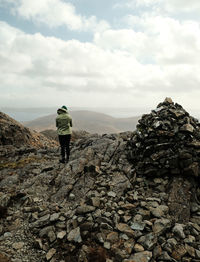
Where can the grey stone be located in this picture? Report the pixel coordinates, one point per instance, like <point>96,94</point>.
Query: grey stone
<point>148,241</point>
<point>84,209</point>
<point>106,245</point>
<point>72,196</point>
<point>165,256</point>
<point>61,234</point>
<point>125,229</point>
<point>160,225</point>
<point>160,211</point>
<point>111,194</point>
<point>138,248</point>
<point>54,217</point>
<point>138,226</point>
<point>172,242</point>
<point>42,221</point>
<point>187,128</point>
<point>95,201</point>
<point>144,256</point>
<point>189,239</point>
<point>197,253</point>
<point>50,253</point>
<point>179,231</point>
<point>74,235</point>
<point>18,245</point>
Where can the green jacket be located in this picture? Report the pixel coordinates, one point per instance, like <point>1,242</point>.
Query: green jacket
<point>63,122</point>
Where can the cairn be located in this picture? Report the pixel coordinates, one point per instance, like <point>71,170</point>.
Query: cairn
<point>167,143</point>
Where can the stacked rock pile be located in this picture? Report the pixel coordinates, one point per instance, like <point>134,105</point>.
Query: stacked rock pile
<point>167,141</point>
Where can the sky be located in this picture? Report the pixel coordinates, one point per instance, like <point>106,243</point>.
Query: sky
<point>92,53</point>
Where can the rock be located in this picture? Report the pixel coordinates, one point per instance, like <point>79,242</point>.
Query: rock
<point>164,145</point>
<point>197,254</point>
<point>161,225</point>
<point>129,245</point>
<point>159,211</point>
<point>72,196</point>
<point>178,230</point>
<point>50,253</point>
<point>129,197</point>
<point>144,256</point>
<point>84,209</point>
<point>4,258</point>
<point>52,236</point>
<point>111,194</point>
<point>190,239</point>
<point>54,217</point>
<point>138,226</point>
<point>138,248</point>
<point>125,229</point>
<point>168,100</point>
<point>192,170</point>
<point>157,251</point>
<point>42,221</point>
<point>165,256</point>
<point>106,245</point>
<point>187,128</point>
<point>74,235</point>
<point>61,234</point>
<point>95,201</point>
<point>179,252</point>
<point>172,242</point>
<point>190,250</point>
<point>112,237</point>
<point>148,241</point>
<point>18,245</point>
<point>13,133</point>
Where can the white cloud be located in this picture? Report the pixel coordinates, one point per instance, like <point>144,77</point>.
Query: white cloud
<point>156,57</point>
<point>182,5</point>
<point>124,39</point>
<point>169,6</point>
<point>55,13</point>
<point>167,40</point>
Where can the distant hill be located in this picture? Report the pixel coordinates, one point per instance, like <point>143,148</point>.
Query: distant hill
<point>89,121</point>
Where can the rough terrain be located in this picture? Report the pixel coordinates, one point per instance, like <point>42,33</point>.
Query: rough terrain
<point>114,201</point>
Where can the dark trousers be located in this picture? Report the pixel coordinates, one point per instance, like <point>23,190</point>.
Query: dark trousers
<point>64,144</point>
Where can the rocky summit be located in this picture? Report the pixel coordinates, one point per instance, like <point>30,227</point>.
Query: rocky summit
<point>128,197</point>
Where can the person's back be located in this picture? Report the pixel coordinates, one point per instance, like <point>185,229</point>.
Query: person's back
<point>64,124</point>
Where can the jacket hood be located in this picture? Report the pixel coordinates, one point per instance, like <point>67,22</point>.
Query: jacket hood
<point>62,111</point>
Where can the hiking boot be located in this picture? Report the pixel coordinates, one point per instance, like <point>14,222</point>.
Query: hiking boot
<point>62,161</point>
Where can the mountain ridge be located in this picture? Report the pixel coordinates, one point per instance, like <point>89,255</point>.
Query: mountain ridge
<point>120,198</point>
<point>90,121</point>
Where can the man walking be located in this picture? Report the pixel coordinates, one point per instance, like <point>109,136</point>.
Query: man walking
<point>64,124</point>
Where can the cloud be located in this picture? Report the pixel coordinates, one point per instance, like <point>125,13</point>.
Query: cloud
<point>167,40</point>
<point>182,5</point>
<point>162,6</point>
<point>159,59</point>
<point>55,13</point>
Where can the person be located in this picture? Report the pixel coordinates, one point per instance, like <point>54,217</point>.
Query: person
<point>64,124</point>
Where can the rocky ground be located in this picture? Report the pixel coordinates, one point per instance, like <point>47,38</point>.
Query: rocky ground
<point>99,207</point>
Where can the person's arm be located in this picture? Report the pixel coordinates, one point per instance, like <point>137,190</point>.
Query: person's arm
<point>56,122</point>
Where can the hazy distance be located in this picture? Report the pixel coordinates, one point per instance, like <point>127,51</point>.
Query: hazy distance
<point>28,114</point>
